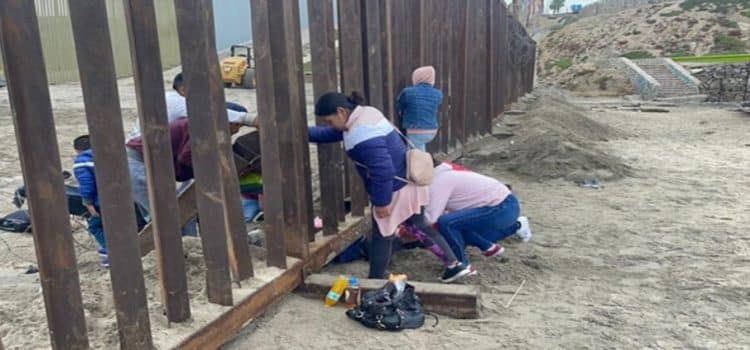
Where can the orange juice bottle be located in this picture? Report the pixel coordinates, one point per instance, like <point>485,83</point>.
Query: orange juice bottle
<point>337,290</point>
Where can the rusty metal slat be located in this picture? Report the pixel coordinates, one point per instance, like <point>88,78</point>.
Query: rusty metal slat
<point>389,97</point>
<point>483,46</point>
<point>157,156</point>
<point>352,79</point>
<point>205,99</point>
<point>373,55</point>
<point>205,104</point>
<point>299,123</point>
<point>330,157</point>
<point>285,70</point>
<point>271,159</point>
<point>99,83</point>
<point>458,73</point>
<point>40,161</point>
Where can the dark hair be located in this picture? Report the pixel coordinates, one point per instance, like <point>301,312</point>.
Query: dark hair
<point>82,143</point>
<point>435,161</point>
<point>329,102</point>
<point>177,82</point>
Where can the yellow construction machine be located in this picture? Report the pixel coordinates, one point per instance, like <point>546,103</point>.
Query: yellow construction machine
<point>239,68</point>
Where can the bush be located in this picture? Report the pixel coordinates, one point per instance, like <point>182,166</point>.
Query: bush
<point>716,6</point>
<point>726,44</point>
<point>602,82</point>
<point>564,63</point>
<point>680,53</point>
<point>725,22</point>
<point>637,55</point>
<point>745,13</point>
<point>671,13</point>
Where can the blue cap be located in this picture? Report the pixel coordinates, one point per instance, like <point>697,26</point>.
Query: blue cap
<point>353,281</point>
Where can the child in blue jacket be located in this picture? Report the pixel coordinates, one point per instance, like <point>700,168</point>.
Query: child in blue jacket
<point>418,106</point>
<point>83,169</point>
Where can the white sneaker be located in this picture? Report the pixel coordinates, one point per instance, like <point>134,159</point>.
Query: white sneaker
<point>525,231</point>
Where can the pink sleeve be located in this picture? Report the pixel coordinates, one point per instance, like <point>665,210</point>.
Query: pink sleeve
<point>440,192</point>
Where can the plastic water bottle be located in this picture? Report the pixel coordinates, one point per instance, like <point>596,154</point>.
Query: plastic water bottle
<point>337,290</point>
<point>353,293</point>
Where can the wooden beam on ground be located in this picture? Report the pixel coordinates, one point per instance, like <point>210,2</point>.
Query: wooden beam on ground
<point>224,328</point>
<point>96,67</point>
<point>330,155</point>
<point>188,210</point>
<point>352,79</point>
<point>28,91</point>
<point>140,18</point>
<point>454,300</point>
<point>205,104</point>
<point>324,249</point>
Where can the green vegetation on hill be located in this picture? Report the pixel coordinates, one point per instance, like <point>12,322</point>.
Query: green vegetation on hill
<point>717,6</point>
<point>637,55</point>
<point>713,59</point>
<point>564,63</point>
<point>728,44</point>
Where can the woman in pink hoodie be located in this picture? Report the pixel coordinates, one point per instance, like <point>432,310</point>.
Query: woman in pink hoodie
<point>473,209</point>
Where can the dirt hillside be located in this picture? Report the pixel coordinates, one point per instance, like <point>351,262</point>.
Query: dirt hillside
<point>576,52</point>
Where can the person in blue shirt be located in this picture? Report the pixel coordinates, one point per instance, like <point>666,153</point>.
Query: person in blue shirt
<point>83,169</point>
<point>418,106</point>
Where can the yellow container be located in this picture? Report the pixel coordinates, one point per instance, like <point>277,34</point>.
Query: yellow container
<point>337,290</point>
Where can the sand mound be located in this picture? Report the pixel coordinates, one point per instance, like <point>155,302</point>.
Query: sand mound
<point>555,139</point>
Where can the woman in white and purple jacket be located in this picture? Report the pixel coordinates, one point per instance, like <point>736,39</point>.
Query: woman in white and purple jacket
<point>379,152</point>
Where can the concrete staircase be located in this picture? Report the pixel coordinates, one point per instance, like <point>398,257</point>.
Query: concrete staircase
<point>672,78</point>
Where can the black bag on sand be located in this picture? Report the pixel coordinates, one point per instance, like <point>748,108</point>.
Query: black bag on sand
<point>17,221</point>
<point>387,309</point>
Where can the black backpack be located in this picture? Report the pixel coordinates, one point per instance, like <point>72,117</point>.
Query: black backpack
<point>386,309</point>
<point>17,221</point>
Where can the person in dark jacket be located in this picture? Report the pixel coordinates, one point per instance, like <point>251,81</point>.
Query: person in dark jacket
<point>418,106</point>
<point>379,152</point>
<point>179,135</point>
<point>83,168</point>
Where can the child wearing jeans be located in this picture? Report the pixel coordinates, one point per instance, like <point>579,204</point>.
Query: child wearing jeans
<point>84,173</point>
<point>418,106</point>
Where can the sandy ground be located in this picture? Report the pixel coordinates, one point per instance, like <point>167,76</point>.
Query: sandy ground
<point>23,324</point>
<point>657,260</point>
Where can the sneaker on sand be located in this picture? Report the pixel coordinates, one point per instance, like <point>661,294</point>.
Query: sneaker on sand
<point>102,252</point>
<point>453,273</point>
<point>105,262</point>
<point>525,231</point>
<point>495,250</point>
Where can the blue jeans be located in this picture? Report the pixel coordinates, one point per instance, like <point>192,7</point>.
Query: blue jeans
<point>97,230</point>
<point>139,187</point>
<point>480,227</point>
<point>421,140</point>
<point>250,208</point>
